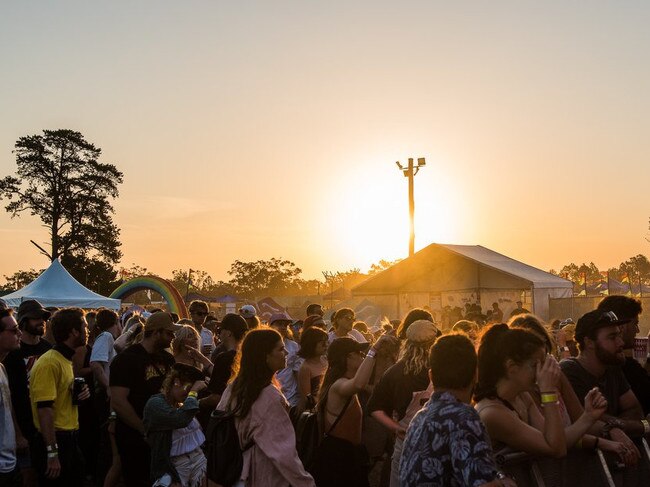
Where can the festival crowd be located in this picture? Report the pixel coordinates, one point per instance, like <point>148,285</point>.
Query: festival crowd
<point>92,398</point>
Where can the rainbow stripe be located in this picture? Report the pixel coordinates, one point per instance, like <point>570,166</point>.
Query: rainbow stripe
<point>163,287</point>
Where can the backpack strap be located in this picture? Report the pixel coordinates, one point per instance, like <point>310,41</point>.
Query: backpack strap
<point>338,418</point>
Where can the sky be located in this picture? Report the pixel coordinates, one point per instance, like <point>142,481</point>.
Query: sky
<point>255,129</point>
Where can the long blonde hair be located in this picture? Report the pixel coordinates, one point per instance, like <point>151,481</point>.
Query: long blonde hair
<point>415,356</point>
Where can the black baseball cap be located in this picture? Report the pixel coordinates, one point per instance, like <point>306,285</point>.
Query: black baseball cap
<point>30,308</point>
<point>341,347</point>
<point>595,320</point>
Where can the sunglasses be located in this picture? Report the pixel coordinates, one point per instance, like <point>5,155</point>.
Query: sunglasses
<point>199,313</point>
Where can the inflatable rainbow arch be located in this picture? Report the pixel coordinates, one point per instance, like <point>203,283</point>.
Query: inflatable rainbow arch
<point>154,283</point>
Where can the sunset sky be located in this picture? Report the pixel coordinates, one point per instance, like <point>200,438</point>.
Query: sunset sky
<point>249,130</point>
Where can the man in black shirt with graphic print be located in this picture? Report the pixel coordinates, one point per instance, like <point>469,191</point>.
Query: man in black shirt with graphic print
<point>135,375</point>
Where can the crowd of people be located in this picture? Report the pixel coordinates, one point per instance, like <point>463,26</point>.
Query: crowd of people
<point>92,398</point>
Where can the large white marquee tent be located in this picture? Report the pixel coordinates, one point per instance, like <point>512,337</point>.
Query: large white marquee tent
<point>56,287</point>
<point>440,275</point>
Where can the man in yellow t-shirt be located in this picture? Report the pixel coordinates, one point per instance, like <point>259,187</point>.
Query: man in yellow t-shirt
<point>58,459</point>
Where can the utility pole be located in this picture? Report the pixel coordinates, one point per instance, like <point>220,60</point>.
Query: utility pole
<point>409,172</point>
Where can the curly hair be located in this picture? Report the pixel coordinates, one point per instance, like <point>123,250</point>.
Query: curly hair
<point>415,356</point>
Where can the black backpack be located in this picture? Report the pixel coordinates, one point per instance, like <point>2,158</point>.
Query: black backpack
<point>224,453</point>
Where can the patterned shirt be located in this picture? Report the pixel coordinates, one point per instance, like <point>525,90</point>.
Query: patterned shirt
<point>446,445</point>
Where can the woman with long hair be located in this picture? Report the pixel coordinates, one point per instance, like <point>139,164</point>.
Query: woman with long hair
<point>341,458</point>
<point>261,414</point>
<point>404,387</point>
<point>313,346</point>
<point>511,363</point>
<point>172,431</point>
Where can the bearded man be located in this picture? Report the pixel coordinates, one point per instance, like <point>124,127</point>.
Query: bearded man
<point>600,340</point>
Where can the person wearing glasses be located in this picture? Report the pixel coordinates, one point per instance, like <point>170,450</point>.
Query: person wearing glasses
<point>199,312</point>
<point>341,458</point>
<point>32,319</point>
<point>9,341</point>
<point>342,323</point>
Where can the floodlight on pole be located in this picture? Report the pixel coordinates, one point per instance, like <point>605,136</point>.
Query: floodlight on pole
<point>409,172</point>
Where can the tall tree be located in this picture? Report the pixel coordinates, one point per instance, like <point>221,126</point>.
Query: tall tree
<point>61,181</point>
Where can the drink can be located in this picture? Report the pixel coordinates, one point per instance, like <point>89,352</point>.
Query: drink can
<point>77,387</point>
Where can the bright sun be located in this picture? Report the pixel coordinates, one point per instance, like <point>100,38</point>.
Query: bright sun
<point>373,223</point>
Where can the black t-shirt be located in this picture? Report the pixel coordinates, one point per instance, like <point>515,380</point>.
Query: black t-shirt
<point>612,385</point>
<point>141,372</point>
<point>18,364</point>
<point>221,371</point>
<point>394,391</point>
<point>639,381</point>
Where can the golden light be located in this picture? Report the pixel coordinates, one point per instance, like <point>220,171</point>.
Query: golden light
<point>367,220</point>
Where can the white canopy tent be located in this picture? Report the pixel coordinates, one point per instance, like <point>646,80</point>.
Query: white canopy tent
<point>439,271</point>
<point>56,287</point>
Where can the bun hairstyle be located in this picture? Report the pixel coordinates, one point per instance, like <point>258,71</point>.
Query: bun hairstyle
<point>499,343</point>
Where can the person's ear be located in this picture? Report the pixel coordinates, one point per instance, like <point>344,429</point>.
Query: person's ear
<point>511,366</point>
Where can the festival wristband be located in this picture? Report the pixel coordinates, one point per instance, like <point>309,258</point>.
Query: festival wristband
<point>371,353</point>
<point>193,394</point>
<point>596,443</point>
<point>550,398</point>
<point>646,426</point>
<point>53,455</point>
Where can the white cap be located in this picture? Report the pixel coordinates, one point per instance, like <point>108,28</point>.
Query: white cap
<point>248,311</point>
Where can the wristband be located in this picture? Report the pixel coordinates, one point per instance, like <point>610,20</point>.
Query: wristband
<point>193,394</point>
<point>596,443</point>
<point>549,398</point>
<point>52,448</point>
<point>646,426</point>
<point>371,353</point>
<point>54,454</point>
<point>579,443</point>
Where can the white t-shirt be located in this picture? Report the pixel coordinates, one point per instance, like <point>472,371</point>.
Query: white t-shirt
<point>287,376</point>
<point>103,350</point>
<point>8,435</point>
<point>354,334</point>
<point>207,340</point>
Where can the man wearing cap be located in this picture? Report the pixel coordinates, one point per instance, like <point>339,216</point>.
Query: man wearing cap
<point>31,319</point>
<point>9,341</point>
<point>135,375</point>
<point>287,377</point>
<point>249,313</point>
<point>231,333</point>
<point>600,343</point>
<point>54,398</point>
<point>627,310</point>
<point>199,312</point>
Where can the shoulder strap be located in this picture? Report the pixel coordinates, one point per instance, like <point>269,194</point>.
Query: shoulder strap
<point>338,418</point>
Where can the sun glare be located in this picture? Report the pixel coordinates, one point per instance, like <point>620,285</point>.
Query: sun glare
<point>373,221</point>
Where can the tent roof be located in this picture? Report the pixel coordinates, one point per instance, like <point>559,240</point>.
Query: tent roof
<point>56,287</point>
<point>457,267</point>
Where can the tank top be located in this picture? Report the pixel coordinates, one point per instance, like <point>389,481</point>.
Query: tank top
<point>349,426</point>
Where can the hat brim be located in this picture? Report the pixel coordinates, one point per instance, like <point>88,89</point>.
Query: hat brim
<point>36,314</point>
